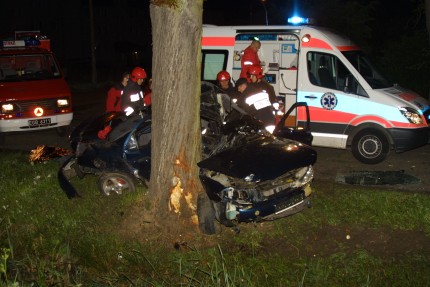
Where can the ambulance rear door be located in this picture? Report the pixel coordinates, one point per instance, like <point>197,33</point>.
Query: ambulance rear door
<point>278,55</point>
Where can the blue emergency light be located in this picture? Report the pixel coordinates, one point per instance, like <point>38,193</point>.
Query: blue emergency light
<point>296,20</point>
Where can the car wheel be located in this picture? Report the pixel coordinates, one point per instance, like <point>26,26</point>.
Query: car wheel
<point>370,146</point>
<point>206,214</point>
<point>116,183</point>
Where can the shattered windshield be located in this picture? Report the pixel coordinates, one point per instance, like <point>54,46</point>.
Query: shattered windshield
<point>367,70</point>
<point>28,67</point>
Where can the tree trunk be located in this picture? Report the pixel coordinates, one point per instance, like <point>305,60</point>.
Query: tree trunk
<point>174,183</point>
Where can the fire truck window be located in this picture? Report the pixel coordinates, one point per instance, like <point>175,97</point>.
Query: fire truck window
<point>6,70</point>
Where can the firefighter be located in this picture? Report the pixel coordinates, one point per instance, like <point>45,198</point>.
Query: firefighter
<point>250,57</point>
<point>261,98</point>
<point>113,101</point>
<point>224,82</point>
<point>133,96</point>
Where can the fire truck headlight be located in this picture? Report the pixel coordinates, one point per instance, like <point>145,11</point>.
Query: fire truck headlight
<point>412,115</point>
<point>7,108</point>
<point>62,103</point>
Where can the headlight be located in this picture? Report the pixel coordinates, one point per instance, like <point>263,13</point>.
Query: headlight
<point>412,115</point>
<point>7,108</point>
<point>62,103</point>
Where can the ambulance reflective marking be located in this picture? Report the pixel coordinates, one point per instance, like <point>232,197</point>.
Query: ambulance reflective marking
<point>218,41</point>
<point>347,48</point>
<point>319,115</point>
<point>350,109</point>
<point>317,43</point>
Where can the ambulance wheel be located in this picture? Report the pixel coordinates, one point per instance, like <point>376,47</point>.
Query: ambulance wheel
<point>116,183</point>
<point>206,214</point>
<point>370,146</point>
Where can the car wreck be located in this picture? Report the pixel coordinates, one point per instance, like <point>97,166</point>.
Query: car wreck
<point>248,174</point>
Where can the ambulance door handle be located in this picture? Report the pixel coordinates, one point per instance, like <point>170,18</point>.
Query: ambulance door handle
<point>311,97</point>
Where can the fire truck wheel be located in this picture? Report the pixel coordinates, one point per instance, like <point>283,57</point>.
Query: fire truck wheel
<point>370,146</point>
<point>206,214</point>
<point>116,183</point>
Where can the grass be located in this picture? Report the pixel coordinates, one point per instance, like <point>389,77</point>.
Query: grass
<point>48,240</point>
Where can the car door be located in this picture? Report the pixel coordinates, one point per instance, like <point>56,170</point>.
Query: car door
<point>295,124</point>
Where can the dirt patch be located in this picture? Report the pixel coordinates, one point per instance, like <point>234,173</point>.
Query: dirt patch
<point>382,242</point>
<point>327,240</point>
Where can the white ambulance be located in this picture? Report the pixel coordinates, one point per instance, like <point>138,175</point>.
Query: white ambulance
<point>351,104</point>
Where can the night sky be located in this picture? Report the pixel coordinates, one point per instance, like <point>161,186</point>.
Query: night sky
<point>123,26</point>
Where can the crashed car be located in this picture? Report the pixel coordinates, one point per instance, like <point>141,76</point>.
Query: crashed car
<point>248,174</point>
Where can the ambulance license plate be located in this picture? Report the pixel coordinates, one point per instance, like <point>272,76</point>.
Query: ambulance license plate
<point>39,122</point>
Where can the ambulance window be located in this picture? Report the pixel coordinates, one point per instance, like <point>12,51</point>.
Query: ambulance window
<point>367,70</point>
<point>213,61</point>
<point>326,70</point>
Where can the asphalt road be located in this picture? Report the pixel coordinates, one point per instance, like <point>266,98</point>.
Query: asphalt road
<point>331,165</point>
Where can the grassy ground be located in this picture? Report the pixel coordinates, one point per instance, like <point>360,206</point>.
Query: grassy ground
<point>352,236</point>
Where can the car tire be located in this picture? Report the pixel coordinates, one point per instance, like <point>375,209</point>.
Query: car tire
<point>370,146</point>
<point>206,214</point>
<point>116,183</point>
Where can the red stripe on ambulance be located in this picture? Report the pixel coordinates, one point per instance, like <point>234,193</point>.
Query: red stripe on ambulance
<point>317,43</point>
<point>348,48</point>
<point>336,117</point>
<point>218,41</point>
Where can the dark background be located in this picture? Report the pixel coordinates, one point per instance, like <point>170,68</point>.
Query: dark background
<point>392,32</point>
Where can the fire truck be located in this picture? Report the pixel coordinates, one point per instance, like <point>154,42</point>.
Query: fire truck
<point>351,104</point>
<point>33,92</point>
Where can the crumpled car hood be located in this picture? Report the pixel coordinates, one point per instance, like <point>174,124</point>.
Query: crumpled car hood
<point>265,157</point>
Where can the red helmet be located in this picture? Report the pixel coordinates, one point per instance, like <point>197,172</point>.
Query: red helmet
<point>257,71</point>
<point>138,73</point>
<point>223,76</point>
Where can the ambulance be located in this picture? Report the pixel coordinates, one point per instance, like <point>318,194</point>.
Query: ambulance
<point>351,104</point>
<point>33,92</point>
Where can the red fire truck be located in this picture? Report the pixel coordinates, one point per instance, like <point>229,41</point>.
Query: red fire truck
<point>33,92</point>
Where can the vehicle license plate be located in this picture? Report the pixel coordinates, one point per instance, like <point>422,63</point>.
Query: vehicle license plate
<point>39,122</point>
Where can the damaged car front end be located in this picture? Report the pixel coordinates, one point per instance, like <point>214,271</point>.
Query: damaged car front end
<point>255,176</point>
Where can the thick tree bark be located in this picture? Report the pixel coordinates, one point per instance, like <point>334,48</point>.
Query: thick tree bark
<point>174,183</point>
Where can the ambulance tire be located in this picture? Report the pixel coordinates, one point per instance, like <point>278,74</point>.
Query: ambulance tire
<point>370,146</point>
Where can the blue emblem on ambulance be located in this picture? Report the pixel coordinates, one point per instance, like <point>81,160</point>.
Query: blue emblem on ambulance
<point>328,101</point>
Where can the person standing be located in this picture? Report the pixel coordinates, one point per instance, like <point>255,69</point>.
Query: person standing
<point>267,108</point>
<point>133,96</point>
<point>113,100</point>
<point>250,58</point>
